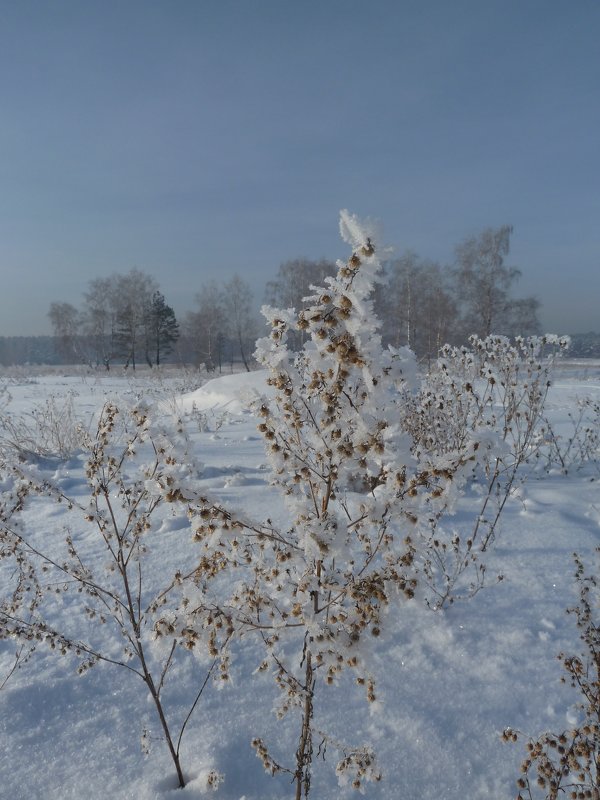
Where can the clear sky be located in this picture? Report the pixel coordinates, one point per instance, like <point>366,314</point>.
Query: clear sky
<point>195,139</point>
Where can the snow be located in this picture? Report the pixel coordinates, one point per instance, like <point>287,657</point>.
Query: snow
<point>230,393</point>
<point>447,682</point>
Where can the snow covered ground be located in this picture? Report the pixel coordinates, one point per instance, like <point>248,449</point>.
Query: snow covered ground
<point>448,682</point>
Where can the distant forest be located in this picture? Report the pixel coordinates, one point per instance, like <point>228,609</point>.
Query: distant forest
<point>124,320</point>
<point>40,350</point>
<point>35,350</point>
<point>49,350</point>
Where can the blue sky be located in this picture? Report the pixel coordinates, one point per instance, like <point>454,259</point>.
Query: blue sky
<point>196,140</point>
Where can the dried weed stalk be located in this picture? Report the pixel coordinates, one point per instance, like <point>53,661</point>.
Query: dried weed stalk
<point>51,430</point>
<point>116,597</point>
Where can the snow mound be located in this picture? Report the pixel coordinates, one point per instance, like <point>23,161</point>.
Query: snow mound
<point>231,393</point>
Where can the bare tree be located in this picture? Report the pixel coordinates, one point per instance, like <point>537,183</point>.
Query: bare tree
<point>134,292</point>
<point>524,317</point>
<point>241,321</point>
<point>100,318</point>
<point>66,322</point>
<point>398,297</point>
<point>205,327</point>
<point>438,312</point>
<point>483,280</point>
<point>484,284</point>
<point>416,305</point>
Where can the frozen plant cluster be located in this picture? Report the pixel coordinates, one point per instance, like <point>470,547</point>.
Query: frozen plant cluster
<point>490,395</point>
<point>360,491</point>
<point>371,459</point>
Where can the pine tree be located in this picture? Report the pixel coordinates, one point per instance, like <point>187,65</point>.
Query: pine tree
<point>162,328</point>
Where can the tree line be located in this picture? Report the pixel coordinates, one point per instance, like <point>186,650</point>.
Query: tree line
<point>421,304</point>
<point>424,305</point>
<point>122,316</point>
<point>15,350</point>
<point>126,318</point>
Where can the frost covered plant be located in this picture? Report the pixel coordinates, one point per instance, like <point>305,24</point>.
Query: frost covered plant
<point>581,446</point>
<point>495,384</point>
<point>316,583</point>
<point>52,430</point>
<point>568,764</point>
<point>115,602</point>
<point>21,591</point>
<point>494,392</point>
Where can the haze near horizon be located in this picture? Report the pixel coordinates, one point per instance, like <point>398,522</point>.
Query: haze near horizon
<point>198,140</point>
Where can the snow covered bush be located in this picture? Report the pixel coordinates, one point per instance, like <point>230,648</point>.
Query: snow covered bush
<point>493,392</point>
<point>313,582</point>
<point>51,430</point>
<point>494,384</point>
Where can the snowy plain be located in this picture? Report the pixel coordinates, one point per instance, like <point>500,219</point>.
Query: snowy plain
<point>448,682</point>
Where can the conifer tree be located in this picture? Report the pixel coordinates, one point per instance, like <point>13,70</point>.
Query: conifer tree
<point>162,327</point>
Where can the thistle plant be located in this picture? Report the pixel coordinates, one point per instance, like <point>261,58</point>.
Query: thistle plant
<point>316,583</point>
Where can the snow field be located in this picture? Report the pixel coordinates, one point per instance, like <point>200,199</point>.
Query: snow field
<point>448,682</point>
